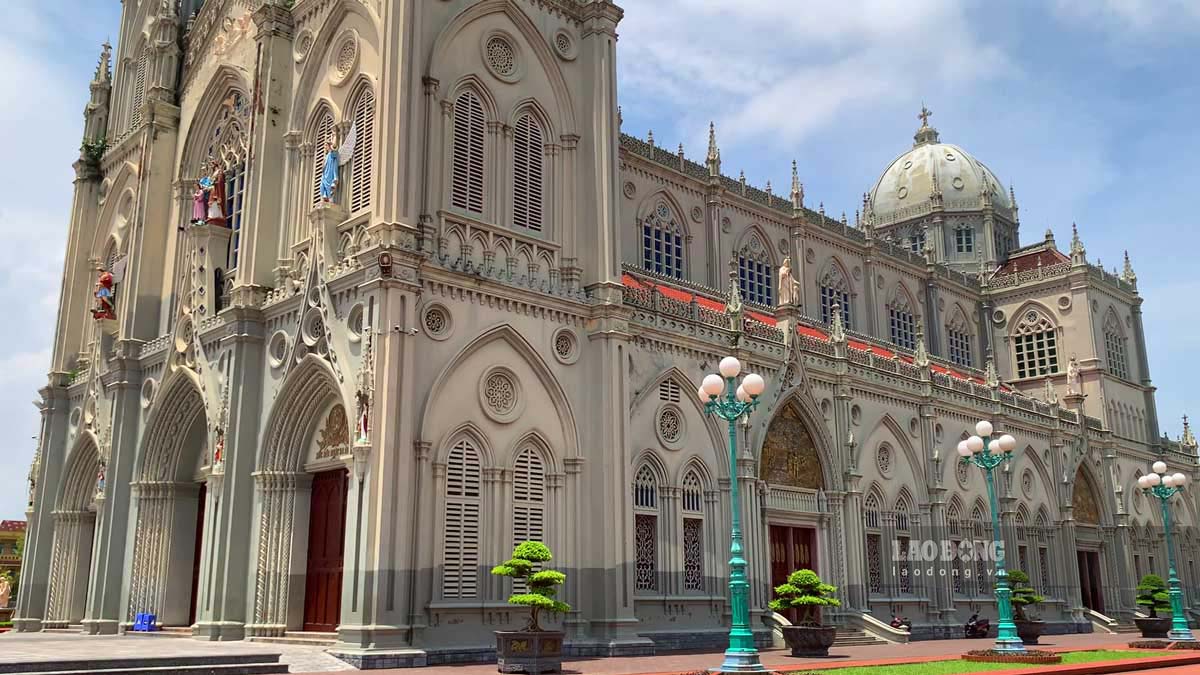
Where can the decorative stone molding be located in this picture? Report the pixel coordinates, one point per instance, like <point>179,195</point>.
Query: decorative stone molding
<point>501,56</point>
<point>500,395</point>
<point>566,346</point>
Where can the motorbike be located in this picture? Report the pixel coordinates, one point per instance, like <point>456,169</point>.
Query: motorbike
<point>901,624</point>
<point>976,628</point>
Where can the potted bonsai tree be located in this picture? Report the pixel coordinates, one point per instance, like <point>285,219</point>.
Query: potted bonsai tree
<point>1025,596</point>
<point>532,649</point>
<point>806,593</point>
<point>1152,594</point>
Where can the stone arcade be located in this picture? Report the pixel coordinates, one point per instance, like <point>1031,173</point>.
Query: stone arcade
<point>291,414</point>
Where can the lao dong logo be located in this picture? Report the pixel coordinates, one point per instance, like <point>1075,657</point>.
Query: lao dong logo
<point>916,557</point>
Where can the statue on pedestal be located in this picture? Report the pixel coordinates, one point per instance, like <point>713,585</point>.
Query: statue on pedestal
<point>105,298</point>
<point>200,200</point>
<point>789,288</point>
<point>329,176</point>
<point>216,195</point>
<point>5,590</point>
<point>100,481</point>
<point>364,413</point>
<point>1072,376</point>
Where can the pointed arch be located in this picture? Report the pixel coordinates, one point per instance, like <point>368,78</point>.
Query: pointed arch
<point>468,154</point>
<point>794,453</point>
<point>175,411</point>
<point>470,431</point>
<point>889,431</point>
<point>316,67</point>
<point>1034,334</point>
<point>902,316</point>
<point>663,231</point>
<point>695,464</point>
<point>672,385</point>
<point>835,288</point>
<point>538,442</point>
<point>295,416</point>
<point>321,135</point>
<point>1115,345</point>
<point>1086,505</point>
<point>756,266</point>
<point>529,172</point>
<point>519,344</point>
<point>76,490</point>
<point>74,520</point>
<point>1034,460</point>
<point>959,337</point>
<point>201,131</point>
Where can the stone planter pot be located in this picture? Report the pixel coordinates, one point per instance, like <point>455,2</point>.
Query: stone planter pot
<point>809,640</point>
<point>1158,627</point>
<point>529,652</point>
<point>1030,631</point>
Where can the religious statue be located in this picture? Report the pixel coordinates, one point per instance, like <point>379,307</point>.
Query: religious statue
<point>789,288</point>
<point>32,488</point>
<point>219,448</point>
<point>216,195</point>
<point>329,176</point>
<point>100,481</point>
<point>105,307</point>
<point>364,412</point>
<point>1072,376</point>
<point>200,200</point>
<point>5,590</point>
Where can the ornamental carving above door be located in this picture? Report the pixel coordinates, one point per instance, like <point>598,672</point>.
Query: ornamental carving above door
<point>789,456</point>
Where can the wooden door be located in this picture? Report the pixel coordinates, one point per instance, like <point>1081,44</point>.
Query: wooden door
<point>792,548</point>
<point>326,548</point>
<point>196,555</point>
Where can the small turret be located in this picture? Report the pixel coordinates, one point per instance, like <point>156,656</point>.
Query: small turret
<point>797,191</point>
<point>1012,198</point>
<point>713,161</point>
<point>1188,441</point>
<point>921,359</point>
<point>95,113</point>
<point>1078,252</point>
<point>926,134</point>
<point>1128,275</point>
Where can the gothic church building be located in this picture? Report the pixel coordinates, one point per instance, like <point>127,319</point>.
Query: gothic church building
<point>383,289</point>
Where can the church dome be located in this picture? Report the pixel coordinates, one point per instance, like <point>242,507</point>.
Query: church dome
<point>904,189</point>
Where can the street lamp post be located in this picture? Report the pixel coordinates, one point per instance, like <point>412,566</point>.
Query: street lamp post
<point>997,452</point>
<point>1163,485</point>
<point>738,401</point>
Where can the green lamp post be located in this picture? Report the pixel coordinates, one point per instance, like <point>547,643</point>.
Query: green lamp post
<point>1163,485</point>
<point>738,401</point>
<point>998,451</point>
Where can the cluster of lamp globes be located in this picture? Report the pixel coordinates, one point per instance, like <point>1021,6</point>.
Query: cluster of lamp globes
<point>974,444</point>
<point>1160,476</point>
<point>714,385</point>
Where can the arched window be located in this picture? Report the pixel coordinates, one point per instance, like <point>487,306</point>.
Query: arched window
<point>364,151</point>
<point>903,569</point>
<point>964,239</point>
<point>693,532</point>
<point>755,278</point>
<point>916,240</point>
<point>528,169</point>
<point>139,87</point>
<point>1022,542</point>
<point>228,145</point>
<point>982,533</point>
<point>322,135</point>
<point>954,526</point>
<point>900,320</point>
<point>835,290</point>
<point>871,519</point>
<point>466,185</point>
<point>958,338</point>
<point>1035,344</point>
<point>461,535</point>
<point>1044,572</point>
<point>529,502</point>
<point>1114,346</point>
<point>662,242</point>
<point>645,529</point>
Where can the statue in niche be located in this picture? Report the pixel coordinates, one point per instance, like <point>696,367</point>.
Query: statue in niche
<point>100,481</point>
<point>329,176</point>
<point>789,288</point>
<point>219,448</point>
<point>105,297</point>
<point>200,201</point>
<point>216,195</point>
<point>364,412</point>
<point>1073,376</point>
<point>5,590</point>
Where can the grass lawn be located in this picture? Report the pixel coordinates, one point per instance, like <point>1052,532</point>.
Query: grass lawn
<point>955,666</point>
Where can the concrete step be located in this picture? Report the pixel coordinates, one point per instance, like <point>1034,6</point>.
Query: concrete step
<point>216,664</point>
<point>166,631</point>
<point>328,640</point>
<point>856,638</point>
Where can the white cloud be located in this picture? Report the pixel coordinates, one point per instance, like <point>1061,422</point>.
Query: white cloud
<point>1136,18</point>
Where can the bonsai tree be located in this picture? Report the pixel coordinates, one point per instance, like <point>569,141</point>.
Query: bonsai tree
<point>541,586</point>
<point>1023,594</point>
<point>1152,594</point>
<point>805,592</point>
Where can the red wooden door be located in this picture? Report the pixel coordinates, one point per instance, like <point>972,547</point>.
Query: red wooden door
<point>792,548</point>
<point>326,548</point>
<point>198,551</point>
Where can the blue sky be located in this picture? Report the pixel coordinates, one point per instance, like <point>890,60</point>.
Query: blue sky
<point>1087,107</point>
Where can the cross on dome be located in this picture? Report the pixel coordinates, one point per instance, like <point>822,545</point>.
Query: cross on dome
<point>926,113</point>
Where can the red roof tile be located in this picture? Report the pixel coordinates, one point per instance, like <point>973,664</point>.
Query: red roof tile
<point>1023,262</point>
<point>12,526</point>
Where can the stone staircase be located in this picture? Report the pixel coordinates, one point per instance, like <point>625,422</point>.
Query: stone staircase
<point>296,637</point>
<point>217,664</point>
<point>1130,627</point>
<point>849,637</point>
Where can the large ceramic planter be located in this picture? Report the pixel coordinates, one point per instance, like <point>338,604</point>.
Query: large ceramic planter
<point>809,640</point>
<point>1156,627</point>
<point>529,652</point>
<point>1030,631</point>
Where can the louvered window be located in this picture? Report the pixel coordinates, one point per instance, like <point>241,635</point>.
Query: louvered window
<point>529,502</point>
<point>645,530</point>
<point>528,168</point>
<point>466,186</point>
<point>669,392</point>
<point>139,88</point>
<point>364,149</point>
<point>324,134</point>
<point>461,539</point>
<point>903,567</point>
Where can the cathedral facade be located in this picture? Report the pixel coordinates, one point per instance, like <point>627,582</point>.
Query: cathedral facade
<point>360,293</point>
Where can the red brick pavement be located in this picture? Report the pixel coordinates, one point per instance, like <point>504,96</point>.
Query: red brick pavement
<point>780,659</point>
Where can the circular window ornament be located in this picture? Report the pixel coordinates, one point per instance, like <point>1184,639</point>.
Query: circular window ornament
<point>566,346</point>
<point>668,426</point>
<point>277,349</point>
<point>629,190</point>
<point>343,58</point>
<point>304,43</point>
<point>313,328</point>
<point>950,157</point>
<point>76,416</point>
<point>1064,302</point>
<point>999,317</point>
<point>663,211</point>
<point>500,395</point>
<point>697,214</point>
<point>564,44</point>
<point>883,460</point>
<point>500,56</point>
<point>957,183</point>
<point>726,225</point>
<point>436,322</point>
<point>908,164</point>
<point>962,473</point>
<point>855,415</point>
<point>148,387</point>
<point>902,193</point>
<point>354,322</point>
<point>1027,482</point>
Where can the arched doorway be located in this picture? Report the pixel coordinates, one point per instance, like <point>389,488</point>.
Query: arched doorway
<point>169,487</point>
<point>303,489</point>
<point>74,534</point>
<point>791,466</point>
<point>1085,509</point>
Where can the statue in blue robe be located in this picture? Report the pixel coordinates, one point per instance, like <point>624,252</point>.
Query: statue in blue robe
<point>329,177</point>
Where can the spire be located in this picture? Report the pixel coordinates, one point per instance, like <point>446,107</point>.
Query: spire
<point>713,161</point>
<point>821,210</point>
<point>650,137</point>
<point>768,191</point>
<point>926,134</point>
<point>837,330</point>
<point>742,180</point>
<point>733,306</point>
<point>990,377</point>
<point>620,118</point>
<point>1188,441</point>
<point>921,359</point>
<point>1012,199</point>
<point>1128,275</point>
<point>1078,252</point>
<point>797,191</point>
<point>103,74</point>
<point>1050,239</point>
